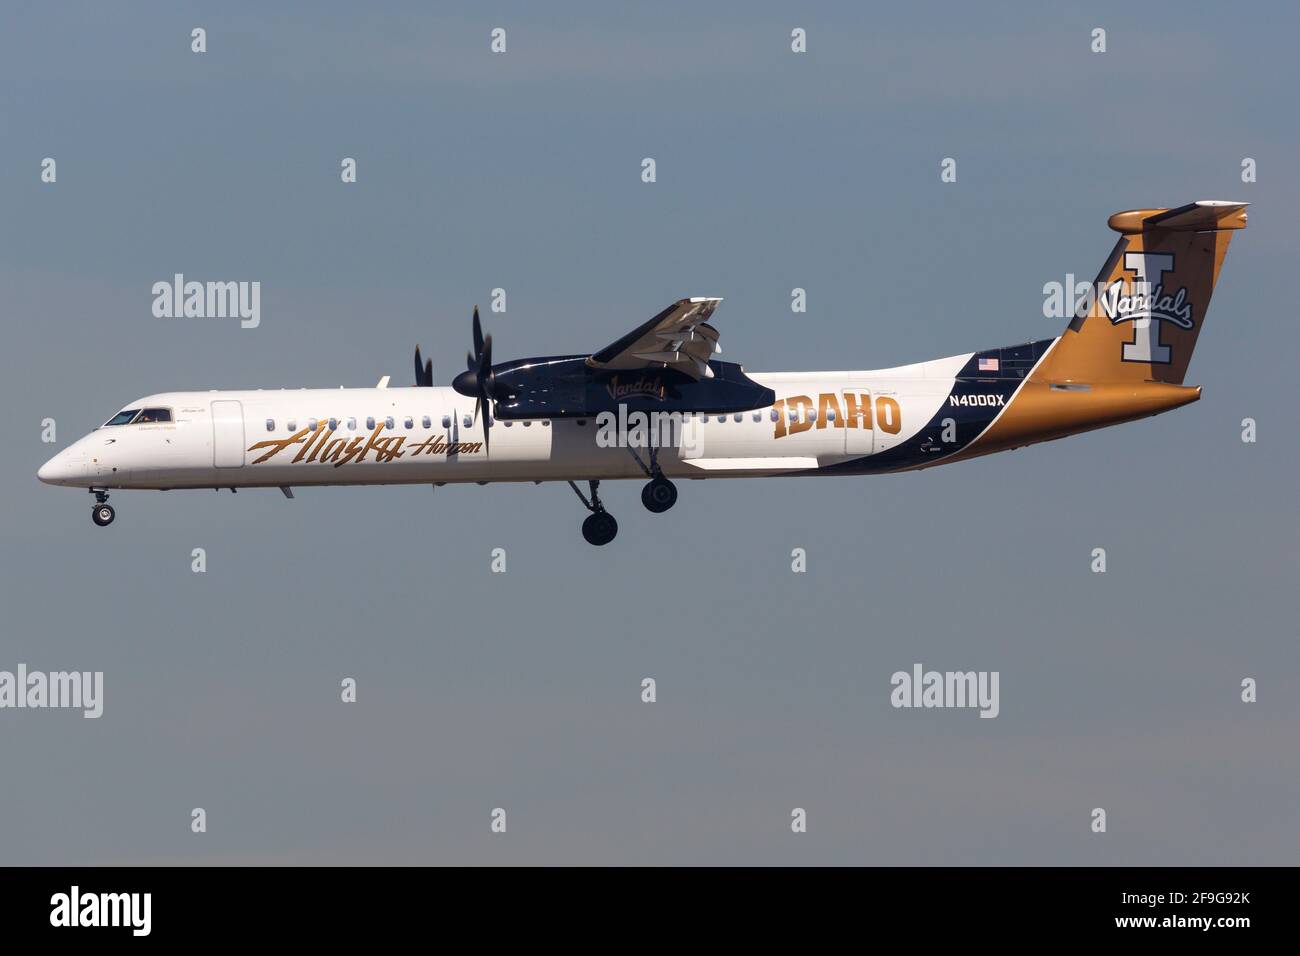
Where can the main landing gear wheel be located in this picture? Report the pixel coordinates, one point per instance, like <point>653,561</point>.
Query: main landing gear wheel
<point>658,495</point>
<point>599,528</point>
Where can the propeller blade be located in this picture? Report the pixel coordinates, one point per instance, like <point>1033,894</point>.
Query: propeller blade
<point>478,334</point>
<point>477,379</point>
<point>423,369</point>
<point>481,403</point>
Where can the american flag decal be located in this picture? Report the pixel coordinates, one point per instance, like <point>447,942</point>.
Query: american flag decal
<point>988,365</point>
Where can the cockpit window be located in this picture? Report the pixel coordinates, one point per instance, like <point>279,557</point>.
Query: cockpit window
<point>154,415</point>
<point>123,417</point>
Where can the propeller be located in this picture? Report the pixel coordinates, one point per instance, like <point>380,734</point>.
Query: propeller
<point>423,371</point>
<point>478,381</point>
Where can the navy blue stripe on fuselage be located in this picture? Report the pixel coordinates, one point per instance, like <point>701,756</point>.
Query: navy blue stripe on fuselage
<point>977,396</point>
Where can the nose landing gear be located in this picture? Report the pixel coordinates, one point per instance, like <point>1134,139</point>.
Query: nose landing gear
<point>599,527</point>
<point>102,513</point>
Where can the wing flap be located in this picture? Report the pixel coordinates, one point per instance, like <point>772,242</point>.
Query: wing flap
<point>679,337</point>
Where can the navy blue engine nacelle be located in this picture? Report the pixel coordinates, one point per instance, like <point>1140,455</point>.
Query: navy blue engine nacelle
<point>567,387</point>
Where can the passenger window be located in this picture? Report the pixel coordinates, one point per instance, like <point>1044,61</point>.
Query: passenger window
<point>426,422</point>
<point>446,421</point>
<point>410,422</point>
<point>776,416</point>
<point>737,417</point>
<point>830,414</point>
<point>293,426</point>
<point>370,423</point>
<point>154,415</point>
<point>388,422</point>
<point>812,414</point>
<point>469,422</point>
<point>311,424</point>
<point>270,424</point>
<point>352,424</point>
<point>526,424</point>
<point>334,424</point>
<point>794,416</point>
<point>758,416</point>
<point>508,424</point>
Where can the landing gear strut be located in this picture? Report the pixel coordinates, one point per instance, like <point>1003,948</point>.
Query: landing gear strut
<point>102,513</point>
<point>659,494</point>
<point>600,526</point>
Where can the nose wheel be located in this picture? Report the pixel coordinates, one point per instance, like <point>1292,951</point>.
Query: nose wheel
<point>102,513</point>
<point>599,527</point>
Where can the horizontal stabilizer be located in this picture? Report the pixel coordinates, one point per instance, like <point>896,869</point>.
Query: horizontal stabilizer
<point>1208,214</point>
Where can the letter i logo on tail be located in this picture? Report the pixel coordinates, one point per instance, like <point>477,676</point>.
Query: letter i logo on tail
<point>1147,306</point>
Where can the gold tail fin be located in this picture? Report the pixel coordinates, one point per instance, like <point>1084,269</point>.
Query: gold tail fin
<point>1150,298</point>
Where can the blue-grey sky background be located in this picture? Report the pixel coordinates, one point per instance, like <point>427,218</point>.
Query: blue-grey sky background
<point>522,690</point>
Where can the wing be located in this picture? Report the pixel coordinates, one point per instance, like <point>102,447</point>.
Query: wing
<point>679,337</point>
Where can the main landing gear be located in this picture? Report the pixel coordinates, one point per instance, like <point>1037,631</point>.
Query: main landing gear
<point>599,527</point>
<point>659,494</point>
<point>102,514</point>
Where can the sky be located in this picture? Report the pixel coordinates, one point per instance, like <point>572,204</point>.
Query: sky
<point>523,690</point>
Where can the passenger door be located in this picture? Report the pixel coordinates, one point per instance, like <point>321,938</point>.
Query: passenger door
<point>859,430</point>
<point>228,434</point>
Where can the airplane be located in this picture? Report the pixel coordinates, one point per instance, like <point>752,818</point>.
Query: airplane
<point>658,405</point>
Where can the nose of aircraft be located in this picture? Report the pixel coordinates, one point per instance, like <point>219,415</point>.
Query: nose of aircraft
<point>67,466</point>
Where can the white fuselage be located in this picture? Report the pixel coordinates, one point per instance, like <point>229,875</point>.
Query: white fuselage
<point>406,435</point>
